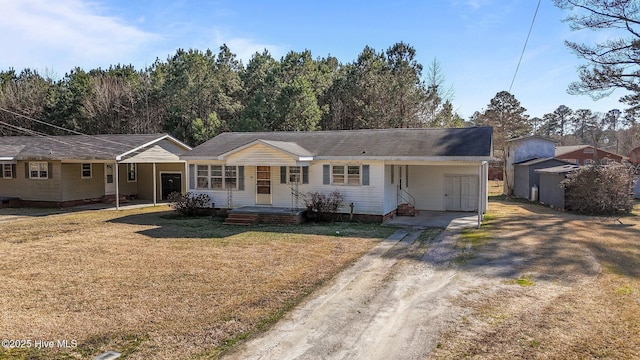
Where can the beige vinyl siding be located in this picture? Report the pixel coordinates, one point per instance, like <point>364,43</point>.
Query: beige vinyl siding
<point>143,187</point>
<point>259,154</point>
<point>74,187</point>
<point>162,152</point>
<point>33,189</point>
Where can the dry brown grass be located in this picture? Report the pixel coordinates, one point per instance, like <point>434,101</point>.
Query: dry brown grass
<point>150,285</point>
<point>583,301</point>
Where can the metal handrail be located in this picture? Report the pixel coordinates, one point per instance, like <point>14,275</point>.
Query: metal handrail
<point>408,199</point>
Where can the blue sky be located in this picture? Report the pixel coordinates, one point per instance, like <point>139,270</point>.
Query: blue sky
<point>477,42</point>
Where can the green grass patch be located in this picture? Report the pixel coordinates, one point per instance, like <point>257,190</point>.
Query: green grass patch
<point>625,290</point>
<point>524,280</point>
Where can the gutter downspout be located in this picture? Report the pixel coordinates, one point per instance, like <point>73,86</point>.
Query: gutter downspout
<point>480,197</point>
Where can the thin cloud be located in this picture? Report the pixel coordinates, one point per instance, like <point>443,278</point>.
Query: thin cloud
<point>63,34</point>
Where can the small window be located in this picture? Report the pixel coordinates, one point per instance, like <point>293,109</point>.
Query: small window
<point>230,177</point>
<point>86,171</point>
<point>38,170</point>
<point>353,175</point>
<point>338,175</point>
<point>216,177</point>
<point>588,161</point>
<point>294,174</point>
<point>7,171</point>
<point>589,150</point>
<point>203,176</point>
<point>132,172</point>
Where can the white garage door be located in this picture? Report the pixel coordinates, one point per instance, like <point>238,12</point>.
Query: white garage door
<point>461,193</point>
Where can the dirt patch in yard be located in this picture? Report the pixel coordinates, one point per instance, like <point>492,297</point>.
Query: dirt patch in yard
<point>546,284</point>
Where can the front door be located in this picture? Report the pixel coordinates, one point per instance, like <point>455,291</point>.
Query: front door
<point>263,185</point>
<point>461,193</point>
<point>109,179</point>
<point>170,182</point>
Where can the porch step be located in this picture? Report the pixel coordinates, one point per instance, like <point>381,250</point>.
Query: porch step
<point>242,219</point>
<point>406,210</point>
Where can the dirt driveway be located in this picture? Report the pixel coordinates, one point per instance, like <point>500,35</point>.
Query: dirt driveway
<point>534,283</point>
<point>391,304</point>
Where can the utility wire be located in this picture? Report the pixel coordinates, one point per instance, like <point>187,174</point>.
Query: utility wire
<point>51,137</point>
<point>60,128</point>
<point>525,46</point>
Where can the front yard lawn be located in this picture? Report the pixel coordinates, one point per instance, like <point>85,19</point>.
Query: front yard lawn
<point>148,284</point>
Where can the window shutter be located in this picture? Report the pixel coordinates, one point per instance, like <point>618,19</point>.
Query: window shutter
<point>365,174</point>
<point>283,174</point>
<point>13,171</point>
<point>305,174</point>
<point>50,170</point>
<point>192,176</point>
<point>240,178</point>
<point>326,175</point>
<point>26,170</point>
<point>392,173</point>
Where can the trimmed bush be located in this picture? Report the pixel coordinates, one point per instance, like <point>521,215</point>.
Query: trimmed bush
<point>189,204</point>
<point>322,204</point>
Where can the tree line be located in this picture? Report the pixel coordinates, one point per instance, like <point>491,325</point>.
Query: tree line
<point>194,95</point>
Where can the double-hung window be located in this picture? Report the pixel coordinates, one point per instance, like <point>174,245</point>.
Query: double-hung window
<point>7,171</point>
<point>85,171</point>
<point>230,177</point>
<point>38,170</point>
<point>295,175</point>
<point>202,176</point>
<point>354,175</point>
<point>218,177</point>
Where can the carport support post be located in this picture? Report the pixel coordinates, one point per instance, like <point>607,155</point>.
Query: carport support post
<point>117,186</point>
<point>480,197</point>
<point>155,186</point>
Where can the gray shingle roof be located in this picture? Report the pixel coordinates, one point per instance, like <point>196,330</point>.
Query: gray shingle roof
<point>95,147</point>
<point>458,142</point>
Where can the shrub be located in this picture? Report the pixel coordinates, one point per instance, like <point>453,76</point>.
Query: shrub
<point>189,204</point>
<point>323,204</point>
<point>600,189</point>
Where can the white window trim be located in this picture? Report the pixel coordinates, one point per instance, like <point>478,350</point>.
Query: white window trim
<point>4,169</point>
<point>39,163</point>
<point>345,174</point>
<point>210,177</point>
<point>297,174</point>
<point>135,172</point>
<point>82,171</point>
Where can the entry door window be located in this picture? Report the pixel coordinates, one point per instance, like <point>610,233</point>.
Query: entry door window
<point>263,180</point>
<point>109,172</point>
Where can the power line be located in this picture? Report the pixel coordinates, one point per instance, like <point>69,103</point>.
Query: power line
<point>60,128</point>
<point>50,137</point>
<point>525,46</point>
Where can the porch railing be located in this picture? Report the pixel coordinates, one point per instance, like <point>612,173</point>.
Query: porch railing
<point>405,198</point>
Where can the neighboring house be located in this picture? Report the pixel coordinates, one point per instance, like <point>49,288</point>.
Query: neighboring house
<point>526,177</point>
<point>585,154</point>
<point>634,156</point>
<point>550,192</point>
<point>523,149</point>
<point>70,170</point>
<point>376,170</point>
